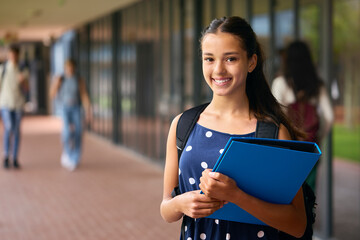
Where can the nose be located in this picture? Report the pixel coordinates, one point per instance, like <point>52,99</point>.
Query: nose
<point>219,68</point>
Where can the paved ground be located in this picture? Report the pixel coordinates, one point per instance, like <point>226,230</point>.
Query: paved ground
<point>346,200</point>
<point>114,195</point>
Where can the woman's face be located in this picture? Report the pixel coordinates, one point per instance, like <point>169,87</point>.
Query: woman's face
<point>225,63</point>
<point>13,57</point>
<point>69,69</point>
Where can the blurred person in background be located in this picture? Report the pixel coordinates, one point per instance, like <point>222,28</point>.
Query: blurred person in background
<point>13,89</point>
<point>70,91</point>
<point>303,94</point>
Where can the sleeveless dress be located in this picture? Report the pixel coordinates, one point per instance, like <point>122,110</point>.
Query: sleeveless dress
<point>202,150</point>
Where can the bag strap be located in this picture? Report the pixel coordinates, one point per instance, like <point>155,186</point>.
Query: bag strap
<point>190,117</point>
<point>266,130</point>
<point>185,125</point>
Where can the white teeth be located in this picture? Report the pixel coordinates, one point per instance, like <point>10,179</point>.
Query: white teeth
<point>222,81</point>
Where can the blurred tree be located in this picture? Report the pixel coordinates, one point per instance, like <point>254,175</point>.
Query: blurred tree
<point>347,56</point>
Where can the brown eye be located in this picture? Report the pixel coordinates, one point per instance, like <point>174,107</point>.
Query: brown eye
<point>208,59</point>
<point>231,59</point>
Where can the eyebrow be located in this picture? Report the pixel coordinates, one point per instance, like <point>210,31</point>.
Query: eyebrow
<point>227,53</point>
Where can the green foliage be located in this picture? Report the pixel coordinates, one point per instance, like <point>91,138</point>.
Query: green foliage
<point>346,27</point>
<point>346,142</point>
<point>310,26</point>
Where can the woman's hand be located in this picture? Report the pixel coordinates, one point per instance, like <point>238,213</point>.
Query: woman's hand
<point>196,205</point>
<point>218,186</point>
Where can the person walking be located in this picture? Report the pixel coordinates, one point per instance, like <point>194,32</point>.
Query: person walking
<point>13,87</point>
<point>304,97</point>
<point>70,90</point>
<point>232,65</point>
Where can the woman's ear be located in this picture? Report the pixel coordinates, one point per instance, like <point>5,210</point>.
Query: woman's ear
<point>252,63</point>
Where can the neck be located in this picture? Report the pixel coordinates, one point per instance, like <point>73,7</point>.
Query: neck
<point>69,74</point>
<point>230,105</point>
<point>13,61</point>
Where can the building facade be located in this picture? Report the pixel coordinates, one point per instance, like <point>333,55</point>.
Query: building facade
<point>142,63</point>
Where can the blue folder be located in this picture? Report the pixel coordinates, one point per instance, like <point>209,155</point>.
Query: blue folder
<point>269,169</point>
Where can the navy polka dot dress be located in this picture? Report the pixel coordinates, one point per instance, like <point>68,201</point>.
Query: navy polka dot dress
<point>202,150</point>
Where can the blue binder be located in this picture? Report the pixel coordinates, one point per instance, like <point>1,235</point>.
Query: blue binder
<point>269,169</point>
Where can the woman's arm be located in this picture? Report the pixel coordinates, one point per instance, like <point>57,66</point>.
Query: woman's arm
<point>326,112</point>
<point>85,100</point>
<point>289,218</point>
<point>54,88</point>
<point>84,94</point>
<point>192,204</point>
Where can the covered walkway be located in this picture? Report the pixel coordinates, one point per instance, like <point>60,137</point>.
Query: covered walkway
<point>115,194</point>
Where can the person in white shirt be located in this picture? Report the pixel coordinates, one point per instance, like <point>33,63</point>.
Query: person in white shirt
<point>300,82</point>
<point>13,84</point>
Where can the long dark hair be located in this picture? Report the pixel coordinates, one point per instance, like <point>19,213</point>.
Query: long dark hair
<point>261,101</point>
<point>300,72</point>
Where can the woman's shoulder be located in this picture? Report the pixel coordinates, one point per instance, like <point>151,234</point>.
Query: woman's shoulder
<point>279,81</point>
<point>279,78</point>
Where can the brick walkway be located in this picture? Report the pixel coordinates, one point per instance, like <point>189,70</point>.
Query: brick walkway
<point>113,195</point>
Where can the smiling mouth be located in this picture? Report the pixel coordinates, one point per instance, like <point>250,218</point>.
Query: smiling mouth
<point>221,81</point>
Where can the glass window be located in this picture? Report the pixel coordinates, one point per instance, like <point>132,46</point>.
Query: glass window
<point>261,23</point>
<point>284,31</point>
<point>310,26</point>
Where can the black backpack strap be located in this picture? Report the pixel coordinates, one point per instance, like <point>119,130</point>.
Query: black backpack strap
<point>185,125</point>
<point>266,130</point>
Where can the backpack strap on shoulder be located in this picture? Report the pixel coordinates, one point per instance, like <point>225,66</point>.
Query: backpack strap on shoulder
<point>266,130</point>
<point>185,125</point>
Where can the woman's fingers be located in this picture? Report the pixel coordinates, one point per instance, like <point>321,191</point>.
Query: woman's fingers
<point>203,210</point>
<point>198,205</point>
<point>217,185</point>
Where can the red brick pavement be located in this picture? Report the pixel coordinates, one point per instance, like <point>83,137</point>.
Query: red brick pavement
<point>113,195</point>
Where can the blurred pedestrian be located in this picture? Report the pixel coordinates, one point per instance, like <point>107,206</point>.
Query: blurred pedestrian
<point>304,95</point>
<point>71,93</point>
<point>13,88</point>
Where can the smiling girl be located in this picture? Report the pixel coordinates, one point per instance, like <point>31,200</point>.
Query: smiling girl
<point>233,69</point>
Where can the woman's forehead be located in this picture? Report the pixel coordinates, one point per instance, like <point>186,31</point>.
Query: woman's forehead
<point>222,41</point>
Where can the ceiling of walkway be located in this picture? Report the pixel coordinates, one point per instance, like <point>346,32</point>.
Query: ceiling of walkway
<point>33,20</point>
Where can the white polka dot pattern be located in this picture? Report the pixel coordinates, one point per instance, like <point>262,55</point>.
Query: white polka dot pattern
<point>221,151</point>
<point>208,134</point>
<point>202,236</point>
<point>217,221</point>
<point>204,165</point>
<point>227,236</point>
<point>191,181</point>
<point>260,234</point>
<point>188,149</point>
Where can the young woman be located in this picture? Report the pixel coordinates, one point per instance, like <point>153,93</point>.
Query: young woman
<point>233,69</point>
<point>302,84</point>
<point>12,101</point>
<point>72,94</point>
